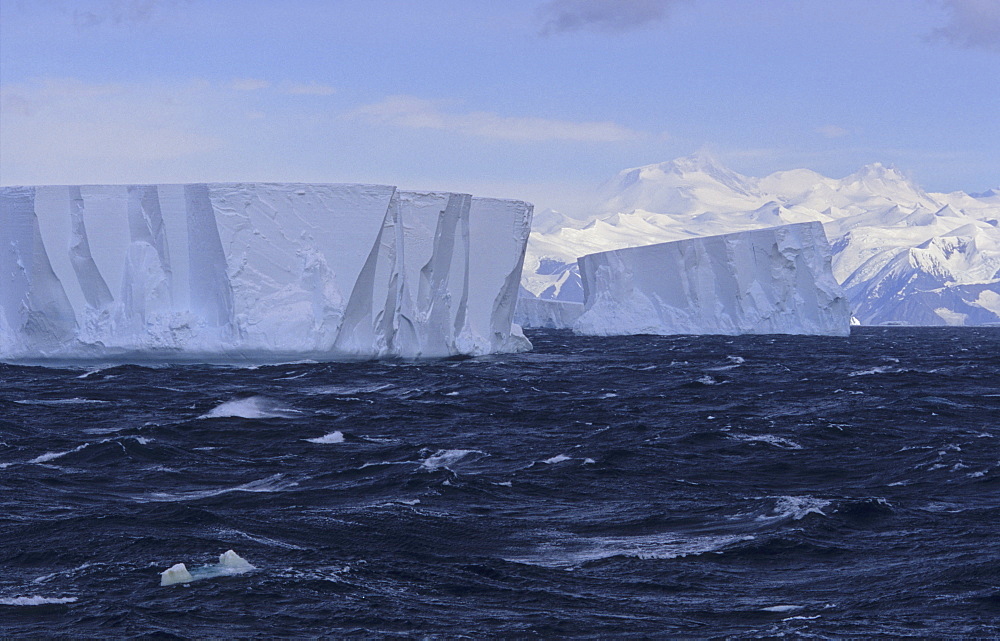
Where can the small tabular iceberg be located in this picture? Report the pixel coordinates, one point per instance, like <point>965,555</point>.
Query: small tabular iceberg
<point>256,272</point>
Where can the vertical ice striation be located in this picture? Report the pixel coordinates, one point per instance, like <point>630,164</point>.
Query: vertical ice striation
<point>35,306</point>
<point>256,271</point>
<point>766,281</point>
<point>503,226</point>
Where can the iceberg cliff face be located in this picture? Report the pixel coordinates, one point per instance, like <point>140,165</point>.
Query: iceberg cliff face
<point>766,281</point>
<point>257,272</point>
<point>542,313</point>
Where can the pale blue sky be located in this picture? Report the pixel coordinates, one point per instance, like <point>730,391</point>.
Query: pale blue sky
<point>535,99</point>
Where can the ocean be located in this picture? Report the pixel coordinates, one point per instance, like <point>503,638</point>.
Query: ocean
<point>684,486</point>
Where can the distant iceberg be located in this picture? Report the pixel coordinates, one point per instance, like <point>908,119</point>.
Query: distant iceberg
<point>765,281</point>
<point>256,272</point>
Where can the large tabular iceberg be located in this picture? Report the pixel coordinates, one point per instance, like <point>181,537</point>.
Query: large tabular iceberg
<point>766,281</point>
<point>258,272</point>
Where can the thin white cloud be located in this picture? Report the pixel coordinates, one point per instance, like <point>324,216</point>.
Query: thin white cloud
<point>971,24</point>
<point>310,89</point>
<point>612,16</point>
<point>67,128</point>
<point>249,84</point>
<point>832,131</point>
<point>93,13</point>
<point>416,113</point>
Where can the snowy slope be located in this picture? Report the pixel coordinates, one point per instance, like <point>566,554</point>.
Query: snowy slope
<point>902,254</point>
<point>255,271</point>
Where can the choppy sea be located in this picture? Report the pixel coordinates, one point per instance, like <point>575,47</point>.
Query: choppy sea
<point>595,487</point>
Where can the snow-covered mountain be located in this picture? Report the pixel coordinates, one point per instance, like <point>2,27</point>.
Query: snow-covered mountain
<point>902,254</point>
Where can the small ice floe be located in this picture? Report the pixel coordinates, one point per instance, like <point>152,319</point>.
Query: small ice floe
<point>37,600</point>
<point>230,564</point>
<point>251,407</point>
<point>556,459</point>
<point>332,437</point>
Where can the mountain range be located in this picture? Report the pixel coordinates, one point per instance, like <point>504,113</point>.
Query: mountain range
<point>903,255</point>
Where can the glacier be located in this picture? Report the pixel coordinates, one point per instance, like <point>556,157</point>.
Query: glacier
<point>903,255</point>
<point>766,281</point>
<point>260,272</point>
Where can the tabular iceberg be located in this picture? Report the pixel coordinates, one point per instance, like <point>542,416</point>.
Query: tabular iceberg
<point>542,313</point>
<point>256,272</point>
<point>766,281</point>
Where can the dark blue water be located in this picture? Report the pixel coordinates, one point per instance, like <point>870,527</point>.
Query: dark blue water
<point>638,486</point>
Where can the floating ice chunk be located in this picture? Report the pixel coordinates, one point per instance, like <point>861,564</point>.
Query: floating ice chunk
<point>175,574</point>
<point>38,600</point>
<point>230,564</point>
<point>332,437</point>
<point>234,562</point>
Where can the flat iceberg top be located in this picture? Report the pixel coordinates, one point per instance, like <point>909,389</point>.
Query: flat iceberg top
<point>222,272</point>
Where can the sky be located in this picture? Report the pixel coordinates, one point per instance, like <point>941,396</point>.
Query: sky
<point>542,100</point>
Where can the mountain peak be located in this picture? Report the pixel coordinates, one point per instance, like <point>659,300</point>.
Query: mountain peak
<point>701,161</point>
<point>877,171</point>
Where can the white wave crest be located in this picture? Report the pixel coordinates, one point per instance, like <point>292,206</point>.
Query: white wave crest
<point>770,439</point>
<point>51,456</point>
<point>796,507</point>
<point>37,600</point>
<point>61,401</point>
<point>444,458</point>
<point>332,437</point>
<point>251,407</point>
<point>273,483</point>
<point>568,551</point>
<point>881,369</point>
<point>345,390</point>
<point>556,459</point>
